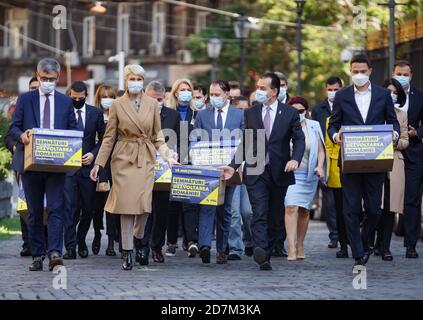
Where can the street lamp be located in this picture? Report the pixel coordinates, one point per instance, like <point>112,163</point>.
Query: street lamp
<point>300,9</point>
<point>241,32</point>
<point>214,46</point>
<point>98,7</point>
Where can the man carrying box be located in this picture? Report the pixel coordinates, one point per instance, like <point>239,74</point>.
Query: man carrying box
<point>361,104</point>
<point>43,108</point>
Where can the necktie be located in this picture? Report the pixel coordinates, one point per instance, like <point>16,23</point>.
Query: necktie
<point>80,122</point>
<point>267,128</point>
<point>46,118</point>
<point>219,119</point>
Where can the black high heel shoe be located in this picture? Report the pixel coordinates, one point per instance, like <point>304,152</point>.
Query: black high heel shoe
<point>110,251</point>
<point>127,260</point>
<point>142,256</point>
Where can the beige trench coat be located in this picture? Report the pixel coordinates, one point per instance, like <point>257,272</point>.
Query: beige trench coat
<point>137,135</point>
<point>397,175</point>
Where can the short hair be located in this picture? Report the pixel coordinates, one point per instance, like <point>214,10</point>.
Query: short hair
<point>48,65</point>
<point>275,81</point>
<point>133,69</point>
<point>200,88</point>
<point>298,100</point>
<point>234,85</point>
<point>334,80</point>
<point>361,58</point>
<point>156,86</point>
<point>402,96</point>
<point>403,63</point>
<point>79,86</point>
<point>281,76</point>
<point>33,79</point>
<point>224,85</point>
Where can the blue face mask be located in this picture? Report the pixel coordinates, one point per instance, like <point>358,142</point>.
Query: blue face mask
<point>282,94</point>
<point>404,80</point>
<point>185,96</point>
<point>302,117</point>
<point>199,104</point>
<point>47,87</point>
<point>135,87</point>
<point>106,102</point>
<point>217,102</point>
<point>394,98</point>
<point>261,96</point>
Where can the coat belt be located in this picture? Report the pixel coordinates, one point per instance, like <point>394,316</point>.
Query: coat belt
<point>139,156</point>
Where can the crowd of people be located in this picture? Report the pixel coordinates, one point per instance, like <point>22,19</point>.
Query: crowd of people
<point>124,131</point>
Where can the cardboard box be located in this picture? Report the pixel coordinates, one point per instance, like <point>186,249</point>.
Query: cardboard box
<point>52,150</point>
<point>199,185</point>
<point>367,149</point>
<point>162,175</point>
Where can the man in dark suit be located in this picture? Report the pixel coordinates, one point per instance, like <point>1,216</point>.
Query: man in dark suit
<point>43,108</point>
<point>270,127</point>
<point>321,113</point>
<point>221,120</point>
<point>79,188</point>
<point>361,104</point>
<point>413,158</point>
<point>155,229</point>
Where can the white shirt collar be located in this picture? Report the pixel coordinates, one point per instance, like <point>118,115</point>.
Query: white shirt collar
<point>82,109</point>
<point>369,89</point>
<point>43,94</point>
<point>273,106</point>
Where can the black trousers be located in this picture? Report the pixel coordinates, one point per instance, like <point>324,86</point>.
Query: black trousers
<point>112,220</point>
<point>267,201</point>
<point>189,213</point>
<point>340,221</point>
<point>386,223</point>
<point>412,204</point>
<point>357,186</point>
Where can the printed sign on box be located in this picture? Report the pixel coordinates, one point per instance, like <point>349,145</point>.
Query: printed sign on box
<point>52,150</point>
<point>367,149</point>
<point>162,174</point>
<point>197,185</point>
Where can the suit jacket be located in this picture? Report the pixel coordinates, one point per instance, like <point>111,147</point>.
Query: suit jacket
<point>27,116</point>
<point>93,136</point>
<point>286,128</point>
<point>413,155</point>
<point>170,120</point>
<point>346,112</point>
<point>185,126</point>
<point>320,113</point>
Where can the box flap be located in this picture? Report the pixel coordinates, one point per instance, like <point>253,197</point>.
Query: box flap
<point>196,171</point>
<point>56,132</point>
<point>374,128</point>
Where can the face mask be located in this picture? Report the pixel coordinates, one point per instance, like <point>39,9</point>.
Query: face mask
<point>217,102</point>
<point>360,79</point>
<point>199,104</point>
<point>394,98</point>
<point>282,94</point>
<point>302,117</point>
<point>331,95</point>
<point>185,96</point>
<point>106,102</point>
<point>47,87</point>
<point>160,105</point>
<point>78,104</point>
<point>261,96</point>
<point>404,80</point>
<point>135,87</point>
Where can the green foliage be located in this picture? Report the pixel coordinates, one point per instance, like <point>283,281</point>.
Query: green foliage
<point>9,227</point>
<point>5,155</point>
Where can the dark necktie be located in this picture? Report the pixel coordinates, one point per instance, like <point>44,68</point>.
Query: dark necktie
<point>46,118</point>
<point>219,119</point>
<point>268,129</point>
<point>80,122</point>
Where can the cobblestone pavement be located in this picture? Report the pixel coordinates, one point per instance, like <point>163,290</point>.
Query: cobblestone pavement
<point>319,276</point>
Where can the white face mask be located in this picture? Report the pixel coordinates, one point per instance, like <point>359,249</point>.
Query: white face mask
<point>331,95</point>
<point>135,87</point>
<point>47,87</point>
<point>360,79</point>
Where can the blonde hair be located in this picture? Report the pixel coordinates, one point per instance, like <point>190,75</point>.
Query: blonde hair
<point>101,91</point>
<point>135,69</point>
<point>173,100</point>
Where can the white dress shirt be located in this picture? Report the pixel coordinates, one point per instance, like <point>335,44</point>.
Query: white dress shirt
<point>330,106</point>
<point>83,114</point>
<point>272,111</point>
<point>224,114</point>
<point>42,103</point>
<point>407,101</point>
<point>362,99</point>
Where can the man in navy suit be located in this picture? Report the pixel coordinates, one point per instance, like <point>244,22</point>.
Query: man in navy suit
<point>270,162</point>
<point>43,108</point>
<point>79,188</point>
<point>217,121</point>
<point>413,158</point>
<point>361,104</point>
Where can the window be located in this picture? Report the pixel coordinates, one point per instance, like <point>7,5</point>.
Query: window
<point>201,21</point>
<point>123,28</point>
<point>88,41</point>
<point>159,24</point>
<point>15,46</point>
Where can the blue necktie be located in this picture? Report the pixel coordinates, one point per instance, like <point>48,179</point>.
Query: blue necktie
<point>219,119</point>
<point>46,117</point>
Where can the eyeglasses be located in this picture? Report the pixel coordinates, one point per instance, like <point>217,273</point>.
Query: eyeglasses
<point>46,79</point>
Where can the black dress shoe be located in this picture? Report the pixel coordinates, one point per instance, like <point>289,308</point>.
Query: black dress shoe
<point>83,250</point>
<point>260,256</point>
<point>70,254</point>
<point>55,260</point>
<point>127,260</point>
<point>366,257</point>
<point>110,251</point>
<point>411,253</point>
<point>205,254</point>
<point>333,244</point>
<point>377,252</point>
<point>279,252</point>
<point>341,254</point>
<point>249,251</point>
<point>266,266</point>
<point>192,249</point>
<point>142,256</point>
<point>358,262</point>
<point>158,256</point>
<point>387,256</point>
<point>95,247</point>
<point>36,265</point>
<point>221,258</point>
<point>234,257</point>
<point>25,252</point>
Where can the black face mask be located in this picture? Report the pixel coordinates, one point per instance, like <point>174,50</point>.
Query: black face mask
<point>78,104</point>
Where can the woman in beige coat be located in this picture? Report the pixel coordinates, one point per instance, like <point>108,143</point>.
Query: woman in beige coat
<point>135,134</point>
<point>393,201</point>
